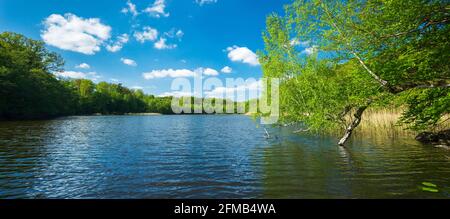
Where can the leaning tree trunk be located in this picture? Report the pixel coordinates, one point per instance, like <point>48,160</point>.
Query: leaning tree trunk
<point>353,125</point>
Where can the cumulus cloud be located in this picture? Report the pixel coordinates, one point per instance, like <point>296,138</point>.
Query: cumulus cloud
<point>73,33</point>
<point>118,44</point>
<point>161,44</point>
<point>207,71</point>
<point>83,66</point>
<point>173,73</point>
<point>203,2</point>
<point>240,91</point>
<point>157,9</point>
<point>78,75</point>
<point>179,73</point>
<point>242,54</point>
<point>226,69</point>
<point>71,74</point>
<point>147,34</point>
<point>129,62</point>
<point>245,91</point>
<point>131,8</point>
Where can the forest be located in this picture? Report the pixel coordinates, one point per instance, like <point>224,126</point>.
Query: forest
<point>360,55</point>
<point>30,90</point>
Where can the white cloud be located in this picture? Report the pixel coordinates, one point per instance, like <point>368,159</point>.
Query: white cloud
<point>83,66</point>
<point>242,54</point>
<point>117,46</point>
<point>93,76</point>
<point>78,75</point>
<point>174,33</point>
<point>147,33</point>
<point>129,62</point>
<point>178,73</point>
<point>114,47</point>
<point>203,2</point>
<point>310,50</point>
<point>226,69</point>
<point>137,88</point>
<point>250,90</point>
<point>131,8</point>
<point>73,33</point>
<point>157,9</point>
<point>71,74</point>
<point>297,42</point>
<point>173,73</point>
<point>177,94</point>
<point>161,44</point>
<point>207,71</point>
<point>179,34</point>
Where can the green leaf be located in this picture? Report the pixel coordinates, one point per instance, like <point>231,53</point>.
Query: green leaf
<point>426,189</point>
<point>429,184</point>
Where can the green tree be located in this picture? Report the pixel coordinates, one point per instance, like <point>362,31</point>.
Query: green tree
<point>363,53</point>
<point>28,89</point>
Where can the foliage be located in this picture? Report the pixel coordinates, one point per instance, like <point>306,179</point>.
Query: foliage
<point>426,107</point>
<point>29,89</point>
<point>337,56</point>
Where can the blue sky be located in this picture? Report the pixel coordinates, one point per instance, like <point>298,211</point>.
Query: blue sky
<point>145,43</point>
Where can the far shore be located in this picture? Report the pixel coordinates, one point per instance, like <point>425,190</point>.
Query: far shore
<point>144,114</point>
<point>161,114</point>
<point>126,114</point>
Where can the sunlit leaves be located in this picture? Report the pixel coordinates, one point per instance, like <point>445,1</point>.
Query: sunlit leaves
<point>402,42</point>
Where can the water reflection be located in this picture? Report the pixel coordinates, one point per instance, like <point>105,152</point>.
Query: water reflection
<point>314,167</point>
<point>205,157</point>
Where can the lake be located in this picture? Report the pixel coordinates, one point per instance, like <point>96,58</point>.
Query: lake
<point>207,156</point>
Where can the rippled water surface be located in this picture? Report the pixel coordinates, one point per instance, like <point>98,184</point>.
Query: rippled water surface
<point>206,157</point>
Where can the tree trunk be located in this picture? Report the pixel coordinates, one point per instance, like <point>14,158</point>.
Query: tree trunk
<point>353,125</point>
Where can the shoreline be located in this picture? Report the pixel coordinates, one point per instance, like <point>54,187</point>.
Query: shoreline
<point>125,114</point>
<point>143,114</point>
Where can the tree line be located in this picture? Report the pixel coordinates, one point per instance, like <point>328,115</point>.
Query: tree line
<point>338,58</point>
<point>30,90</point>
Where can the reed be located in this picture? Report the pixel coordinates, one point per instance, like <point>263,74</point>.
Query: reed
<point>383,122</point>
<point>386,122</point>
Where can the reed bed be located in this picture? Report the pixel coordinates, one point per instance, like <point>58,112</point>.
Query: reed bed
<point>383,122</point>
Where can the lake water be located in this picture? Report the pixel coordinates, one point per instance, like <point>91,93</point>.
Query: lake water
<point>222,156</point>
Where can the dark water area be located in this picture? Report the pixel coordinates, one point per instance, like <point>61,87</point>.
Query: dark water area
<point>204,156</point>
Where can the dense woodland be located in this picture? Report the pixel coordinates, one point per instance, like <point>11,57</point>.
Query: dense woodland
<point>360,54</point>
<point>30,90</point>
